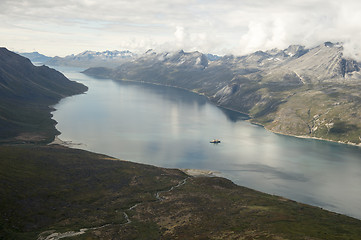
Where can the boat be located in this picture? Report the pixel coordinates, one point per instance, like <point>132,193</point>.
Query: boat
<point>215,141</point>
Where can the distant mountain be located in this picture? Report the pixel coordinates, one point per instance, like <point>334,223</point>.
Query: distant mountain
<point>261,60</point>
<point>93,59</point>
<point>212,57</point>
<point>36,57</point>
<point>175,59</point>
<point>163,68</point>
<point>26,91</point>
<point>297,91</point>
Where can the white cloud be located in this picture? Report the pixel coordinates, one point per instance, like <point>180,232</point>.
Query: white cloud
<point>180,35</point>
<point>228,26</point>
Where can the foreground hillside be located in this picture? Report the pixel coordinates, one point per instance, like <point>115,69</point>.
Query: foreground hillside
<point>296,91</point>
<point>52,190</point>
<point>26,92</point>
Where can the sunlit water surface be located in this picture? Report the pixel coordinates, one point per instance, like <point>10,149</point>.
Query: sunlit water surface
<point>170,127</point>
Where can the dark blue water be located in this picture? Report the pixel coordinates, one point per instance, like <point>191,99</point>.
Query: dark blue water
<point>170,127</point>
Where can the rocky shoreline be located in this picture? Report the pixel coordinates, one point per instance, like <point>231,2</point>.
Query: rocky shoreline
<point>251,120</point>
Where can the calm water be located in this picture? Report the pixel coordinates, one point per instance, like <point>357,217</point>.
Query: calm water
<point>170,127</point>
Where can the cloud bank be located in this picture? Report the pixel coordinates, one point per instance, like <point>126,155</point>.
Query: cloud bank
<point>220,27</point>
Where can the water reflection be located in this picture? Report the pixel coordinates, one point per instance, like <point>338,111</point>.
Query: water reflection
<point>171,127</point>
<point>234,116</point>
<point>269,172</point>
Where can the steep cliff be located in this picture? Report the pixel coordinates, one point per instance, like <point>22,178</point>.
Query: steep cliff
<point>26,92</point>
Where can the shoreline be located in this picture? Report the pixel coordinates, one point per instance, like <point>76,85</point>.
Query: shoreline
<point>191,172</point>
<point>309,137</point>
<point>58,141</point>
<point>200,172</point>
<point>196,172</point>
<point>231,109</point>
<point>231,205</point>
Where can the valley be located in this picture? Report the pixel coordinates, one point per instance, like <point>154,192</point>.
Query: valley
<point>171,127</point>
<point>48,191</point>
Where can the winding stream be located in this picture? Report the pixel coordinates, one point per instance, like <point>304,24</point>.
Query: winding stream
<point>52,235</point>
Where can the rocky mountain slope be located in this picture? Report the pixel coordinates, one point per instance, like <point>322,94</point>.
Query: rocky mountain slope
<point>26,92</point>
<point>92,59</point>
<point>296,91</point>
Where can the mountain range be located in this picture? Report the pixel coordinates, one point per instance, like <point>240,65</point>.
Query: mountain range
<point>295,91</point>
<point>26,91</point>
<point>92,58</point>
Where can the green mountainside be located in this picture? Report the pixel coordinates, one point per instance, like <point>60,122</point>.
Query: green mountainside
<point>26,92</point>
<point>296,91</point>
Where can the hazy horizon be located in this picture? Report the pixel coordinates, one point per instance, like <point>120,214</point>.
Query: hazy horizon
<point>60,28</point>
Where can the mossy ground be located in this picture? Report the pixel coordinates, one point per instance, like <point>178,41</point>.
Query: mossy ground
<point>64,189</point>
<point>61,189</point>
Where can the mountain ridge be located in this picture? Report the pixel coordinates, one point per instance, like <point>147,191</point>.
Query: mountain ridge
<point>295,91</point>
<point>93,58</point>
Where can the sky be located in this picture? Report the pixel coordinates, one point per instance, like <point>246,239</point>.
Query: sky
<point>63,27</point>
